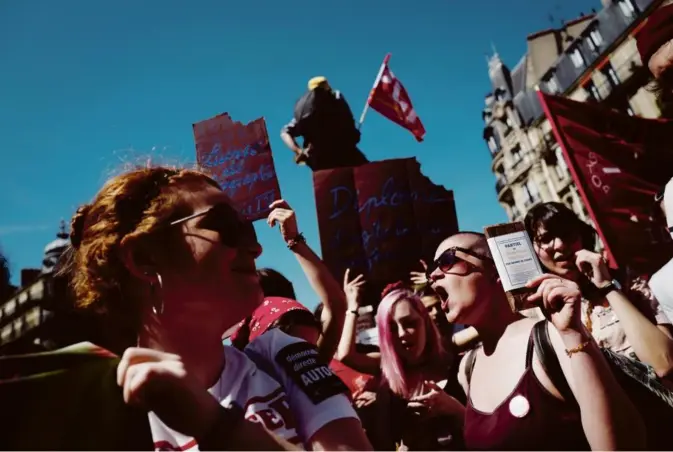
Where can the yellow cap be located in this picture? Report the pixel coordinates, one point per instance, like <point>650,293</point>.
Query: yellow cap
<point>316,82</point>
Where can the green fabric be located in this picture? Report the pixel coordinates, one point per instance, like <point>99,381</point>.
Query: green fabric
<point>67,400</point>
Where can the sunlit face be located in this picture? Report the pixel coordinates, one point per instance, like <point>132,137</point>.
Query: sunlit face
<point>434,306</point>
<point>205,282</point>
<point>409,328</point>
<point>465,289</point>
<point>556,253</point>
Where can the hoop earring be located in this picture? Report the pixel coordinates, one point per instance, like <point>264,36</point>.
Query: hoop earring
<point>160,310</point>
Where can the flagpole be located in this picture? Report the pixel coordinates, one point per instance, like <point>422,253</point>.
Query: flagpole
<point>376,82</point>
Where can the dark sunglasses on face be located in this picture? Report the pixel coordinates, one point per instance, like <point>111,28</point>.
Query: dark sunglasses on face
<point>448,259</point>
<point>225,220</point>
<point>566,234</point>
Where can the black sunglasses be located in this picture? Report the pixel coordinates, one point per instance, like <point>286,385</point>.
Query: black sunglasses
<point>222,218</point>
<point>448,259</point>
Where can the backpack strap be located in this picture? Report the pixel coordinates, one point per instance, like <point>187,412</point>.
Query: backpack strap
<point>469,363</point>
<point>550,362</point>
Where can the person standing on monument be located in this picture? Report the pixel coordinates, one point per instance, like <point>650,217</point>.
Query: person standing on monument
<point>325,121</point>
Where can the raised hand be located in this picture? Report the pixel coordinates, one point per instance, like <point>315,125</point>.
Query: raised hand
<point>593,265</point>
<point>353,290</point>
<point>282,214</point>
<point>419,278</point>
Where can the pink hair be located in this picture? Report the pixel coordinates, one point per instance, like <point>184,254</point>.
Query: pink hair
<point>399,379</point>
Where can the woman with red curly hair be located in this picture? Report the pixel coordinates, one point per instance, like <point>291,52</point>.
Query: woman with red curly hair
<point>165,256</point>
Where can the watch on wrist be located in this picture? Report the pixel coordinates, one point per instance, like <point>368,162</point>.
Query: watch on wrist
<point>609,287</point>
<point>228,420</point>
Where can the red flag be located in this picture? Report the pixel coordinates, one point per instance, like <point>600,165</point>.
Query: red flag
<point>618,163</point>
<point>389,98</point>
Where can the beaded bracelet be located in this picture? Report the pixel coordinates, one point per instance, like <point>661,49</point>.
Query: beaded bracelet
<point>579,348</point>
<point>296,241</point>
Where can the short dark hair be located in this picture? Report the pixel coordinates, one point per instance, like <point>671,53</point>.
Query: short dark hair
<point>296,317</point>
<point>559,220</point>
<point>274,284</point>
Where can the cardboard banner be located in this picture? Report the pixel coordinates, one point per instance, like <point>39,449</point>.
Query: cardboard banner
<point>619,163</point>
<point>239,158</point>
<point>380,219</point>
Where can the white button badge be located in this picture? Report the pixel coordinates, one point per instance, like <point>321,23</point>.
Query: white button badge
<point>519,406</point>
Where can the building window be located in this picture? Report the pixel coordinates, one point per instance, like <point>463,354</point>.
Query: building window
<point>516,156</point>
<point>515,213</point>
<point>610,74</point>
<point>531,192</point>
<point>552,86</point>
<point>577,58</point>
<point>591,89</point>
<point>561,167</point>
<point>628,8</point>
<point>570,202</point>
<point>508,121</point>
<point>493,145</point>
<point>595,40</point>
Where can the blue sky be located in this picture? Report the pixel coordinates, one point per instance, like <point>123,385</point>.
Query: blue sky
<point>88,85</point>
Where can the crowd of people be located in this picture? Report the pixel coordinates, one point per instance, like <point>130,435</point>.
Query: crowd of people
<point>168,261</point>
<point>172,264</point>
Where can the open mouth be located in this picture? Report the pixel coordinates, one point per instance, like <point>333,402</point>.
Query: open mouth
<point>443,297</point>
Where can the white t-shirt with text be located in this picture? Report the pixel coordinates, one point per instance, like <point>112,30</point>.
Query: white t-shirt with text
<point>287,411</point>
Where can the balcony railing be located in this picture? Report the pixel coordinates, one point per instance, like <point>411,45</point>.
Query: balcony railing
<point>531,201</point>
<point>519,166</point>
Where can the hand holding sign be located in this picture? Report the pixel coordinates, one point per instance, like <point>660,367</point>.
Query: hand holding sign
<point>282,213</point>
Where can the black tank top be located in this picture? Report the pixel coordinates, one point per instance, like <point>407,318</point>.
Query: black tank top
<point>530,418</point>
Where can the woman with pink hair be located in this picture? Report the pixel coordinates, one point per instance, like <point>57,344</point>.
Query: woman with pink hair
<point>420,402</point>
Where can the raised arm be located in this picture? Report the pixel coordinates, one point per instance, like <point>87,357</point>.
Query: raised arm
<point>652,343</point>
<point>609,419</point>
<point>319,277</point>
<point>366,363</point>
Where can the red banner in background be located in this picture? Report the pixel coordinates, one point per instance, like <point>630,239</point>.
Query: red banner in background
<point>619,163</point>
<point>380,219</point>
<point>239,158</point>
